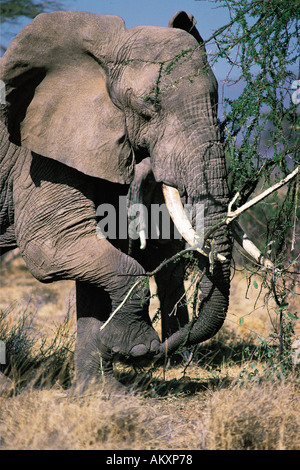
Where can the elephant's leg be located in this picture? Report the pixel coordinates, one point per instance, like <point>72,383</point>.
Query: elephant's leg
<point>169,281</point>
<point>91,367</point>
<point>87,358</point>
<point>104,276</point>
<point>88,361</point>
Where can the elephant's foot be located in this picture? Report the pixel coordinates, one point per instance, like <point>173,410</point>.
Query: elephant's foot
<point>127,333</point>
<point>104,384</point>
<point>125,336</point>
<point>129,336</point>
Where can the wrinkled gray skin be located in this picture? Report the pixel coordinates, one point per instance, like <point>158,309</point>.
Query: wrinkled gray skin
<point>81,96</point>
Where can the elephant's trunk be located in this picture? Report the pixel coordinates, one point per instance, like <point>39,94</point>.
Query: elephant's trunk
<point>212,310</point>
<point>211,191</point>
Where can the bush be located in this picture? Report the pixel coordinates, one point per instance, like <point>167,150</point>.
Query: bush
<point>31,357</point>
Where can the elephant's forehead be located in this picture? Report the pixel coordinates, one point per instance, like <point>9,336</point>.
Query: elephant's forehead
<point>157,43</point>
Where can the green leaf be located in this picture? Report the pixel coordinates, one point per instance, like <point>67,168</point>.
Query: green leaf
<point>292,316</point>
<point>283,306</point>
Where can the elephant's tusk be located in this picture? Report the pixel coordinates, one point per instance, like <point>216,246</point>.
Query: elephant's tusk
<point>181,221</point>
<point>184,227</point>
<point>142,235</point>
<point>242,238</point>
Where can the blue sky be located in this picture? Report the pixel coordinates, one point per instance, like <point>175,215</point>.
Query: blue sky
<point>151,12</point>
<point>156,12</point>
<point>145,12</point>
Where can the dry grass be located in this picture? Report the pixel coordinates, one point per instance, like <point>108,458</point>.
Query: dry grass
<point>257,418</point>
<point>48,420</point>
<point>260,417</point>
<point>230,399</point>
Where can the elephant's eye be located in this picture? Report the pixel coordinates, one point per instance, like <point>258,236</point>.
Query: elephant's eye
<point>152,101</point>
<point>147,105</point>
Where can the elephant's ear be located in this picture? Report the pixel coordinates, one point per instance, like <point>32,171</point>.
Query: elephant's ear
<point>187,22</point>
<point>55,72</point>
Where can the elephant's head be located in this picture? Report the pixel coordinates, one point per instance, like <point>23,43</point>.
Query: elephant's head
<point>86,91</point>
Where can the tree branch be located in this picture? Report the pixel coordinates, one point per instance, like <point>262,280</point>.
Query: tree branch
<point>231,215</point>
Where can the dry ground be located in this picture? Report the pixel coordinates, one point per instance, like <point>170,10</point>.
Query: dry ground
<point>230,399</point>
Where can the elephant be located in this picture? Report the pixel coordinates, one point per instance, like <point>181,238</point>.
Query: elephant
<point>87,100</point>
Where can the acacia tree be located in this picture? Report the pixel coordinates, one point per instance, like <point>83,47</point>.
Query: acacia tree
<point>12,10</point>
<point>261,134</point>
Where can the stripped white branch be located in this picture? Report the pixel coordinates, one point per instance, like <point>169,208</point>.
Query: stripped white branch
<point>233,201</point>
<point>231,215</point>
<point>244,241</point>
<point>239,233</point>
